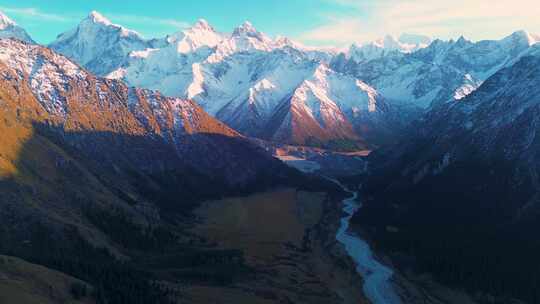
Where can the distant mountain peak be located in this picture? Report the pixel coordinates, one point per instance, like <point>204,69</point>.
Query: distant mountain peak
<point>281,42</point>
<point>389,44</point>
<point>10,29</point>
<point>248,26</point>
<point>462,41</point>
<point>284,40</point>
<point>523,36</point>
<point>95,36</point>
<point>201,34</point>
<point>97,17</point>
<point>406,43</point>
<point>5,21</point>
<point>245,28</point>
<point>202,24</point>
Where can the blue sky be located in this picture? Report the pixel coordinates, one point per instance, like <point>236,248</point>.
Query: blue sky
<point>315,22</point>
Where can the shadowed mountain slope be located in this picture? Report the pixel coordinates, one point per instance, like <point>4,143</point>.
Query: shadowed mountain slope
<point>459,194</point>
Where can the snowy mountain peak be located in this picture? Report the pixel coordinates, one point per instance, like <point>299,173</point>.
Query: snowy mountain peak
<point>407,43</point>
<point>534,38</point>
<point>462,41</point>
<point>98,44</point>
<point>248,26</point>
<point>244,38</point>
<point>388,42</point>
<point>9,29</point>
<point>282,41</point>
<point>522,36</point>
<point>201,34</point>
<point>245,28</point>
<point>5,21</point>
<point>202,24</point>
<point>96,17</point>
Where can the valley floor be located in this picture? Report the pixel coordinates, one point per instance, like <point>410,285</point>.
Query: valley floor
<point>288,240</point>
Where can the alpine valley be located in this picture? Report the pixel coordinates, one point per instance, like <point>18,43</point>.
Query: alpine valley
<point>212,167</point>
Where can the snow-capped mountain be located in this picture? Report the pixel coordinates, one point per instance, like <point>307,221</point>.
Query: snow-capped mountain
<point>200,35</point>
<point>285,100</point>
<point>221,71</point>
<point>98,45</point>
<point>170,67</point>
<point>500,111</point>
<point>389,45</point>
<point>249,81</point>
<point>9,29</point>
<point>443,71</point>
<point>243,39</point>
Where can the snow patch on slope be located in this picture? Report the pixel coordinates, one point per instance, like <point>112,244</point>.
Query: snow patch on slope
<point>48,77</point>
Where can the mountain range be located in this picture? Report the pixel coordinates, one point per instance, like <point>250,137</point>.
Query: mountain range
<point>282,91</point>
<point>272,89</point>
<point>441,72</point>
<point>110,139</point>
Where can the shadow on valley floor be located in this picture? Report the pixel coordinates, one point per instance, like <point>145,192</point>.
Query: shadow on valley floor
<point>96,205</point>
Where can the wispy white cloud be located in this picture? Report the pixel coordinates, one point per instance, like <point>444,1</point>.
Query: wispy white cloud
<point>35,13</point>
<point>475,19</point>
<point>150,26</point>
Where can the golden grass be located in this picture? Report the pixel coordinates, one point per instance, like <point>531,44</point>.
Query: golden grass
<point>260,224</point>
<point>264,226</point>
<point>13,135</point>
